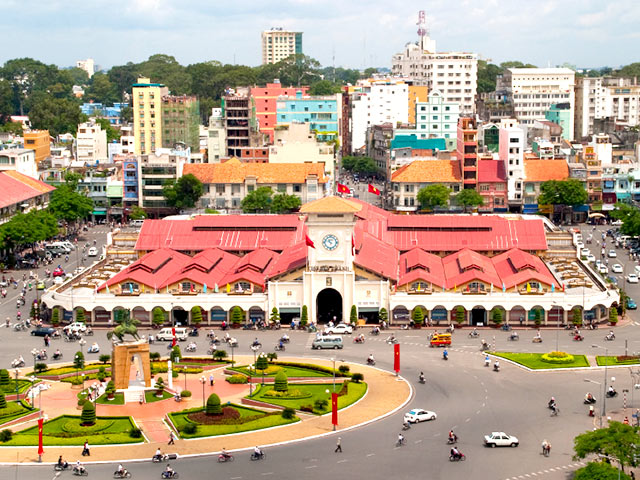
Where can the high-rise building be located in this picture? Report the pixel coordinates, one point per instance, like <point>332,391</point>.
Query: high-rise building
<point>512,142</point>
<point>467,151</point>
<point>453,73</point>
<point>321,112</point>
<point>147,111</point>
<point>92,143</point>
<point>180,122</point>
<point>239,117</point>
<point>265,100</point>
<point>87,65</point>
<point>534,90</point>
<point>437,119</point>
<point>278,44</point>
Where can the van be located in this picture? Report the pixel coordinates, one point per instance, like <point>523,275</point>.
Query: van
<point>327,341</point>
<point>137,223</point>
<point>440,340</point>
<point>55,249</point>
<point>166,334</point>
<point>68,244</point>
<point>59,246</point>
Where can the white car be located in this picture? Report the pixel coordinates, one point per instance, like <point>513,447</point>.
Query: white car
<point>76,327</point>
<point>339,329</point>
<point>612,254</point>
<point>580,245</point>
<point>500,439</point>
<point>419,415</point>
<point>616,268</point>
<point>93,252</point>
<point>617,223</point>
<point>632,278</point>
<point>591,258</point>
<point>603,269</point>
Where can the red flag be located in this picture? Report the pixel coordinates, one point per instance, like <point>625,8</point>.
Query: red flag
<point>353,245</point>
<point>396,358</point>
<point>373,190</point>
<point>40,428</point>
<point>334,408</point>
<point>309,242</point>
<point>343,188</point>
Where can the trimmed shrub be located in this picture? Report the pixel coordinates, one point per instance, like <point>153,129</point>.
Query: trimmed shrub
<point>213,405</point>
<point>288,413</point>
<point>196,315</point>
<point>577,316</point>
<point>280,382</point>
<point>537,316</point>
<point>320,404</point>
<point>272,356</point>
<point>344,369</point>
<point>78,361</point>
<point>557,357</point>
<point>135,433</point>
<point>417,316</point>
<point>353,316</point>
<point>304,317</point>
<point>357,377</point>
<point>40,367</point>
<point>613,315</point>
<point>5,379</point>
<point>261,363</point>
<point>55,317</point>
<point>237,315</point>
<point>5,435</point>
<point>104,358</point>
<point>176,353</point>
<point>237,379</point>
<point>159,386</point>
<point>383,315</point>
<point>3,401</point>
<point>88,416</point>
<point>158,316</point>
<point>219,354</point>
<point>496,316</point>
<point>459,315</point>
<point>154,356</point>
<point>80,316</point>
<point>275,315</point>
<point>185,393</point>
<point>190,428</point>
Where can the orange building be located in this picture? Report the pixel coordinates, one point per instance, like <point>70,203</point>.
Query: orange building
<point>417,93</point>
<point>265,100</point>
<point>40,142</point>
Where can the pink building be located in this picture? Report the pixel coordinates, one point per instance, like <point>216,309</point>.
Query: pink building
<point>492,185</point>
<point>265,100</point>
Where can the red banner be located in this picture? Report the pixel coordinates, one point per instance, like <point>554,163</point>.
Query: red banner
<point>40,427</point>
<point>396,357</point>
<point>334,408</point>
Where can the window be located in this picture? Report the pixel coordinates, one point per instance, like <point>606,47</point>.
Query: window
<point>251,188</point>
<point>419,286</point>
<point>130,287</point>
<point>484,188</point>
<point>220,189</point>
<point>281,187</point>
<point>243,287</point>
<point>297,188</point>
<point>435,117</point>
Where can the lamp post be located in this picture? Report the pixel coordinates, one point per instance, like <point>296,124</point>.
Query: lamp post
<point>203,381</point>
<point>604,387</point>
<point>82,342</point>
<point>254,349</point>
<point>250,382</point>
<point>34,352</point>
<point>82,382</point>
<point>232,361</point>
<point>264,356</point>
<point>17,372</point>
<point>77,361</point>
<point>333,359</point>
<point>184,370</point>
<point>603,396</point>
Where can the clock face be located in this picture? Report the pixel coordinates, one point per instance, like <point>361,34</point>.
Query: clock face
<point>330,242</point>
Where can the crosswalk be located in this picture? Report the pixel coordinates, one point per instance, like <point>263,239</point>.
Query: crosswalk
<point>561,469</point>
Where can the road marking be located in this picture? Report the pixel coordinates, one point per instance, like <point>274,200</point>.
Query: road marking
<point>418,441</point>
<point>266,473</point>
<point>467,420</point>
<point>342,461</point>
<point>236,478</point>
<point>313,459</point>
<point>483,404</point>
<point>478,411</point>
<point>370,454</point>
<point>311,466</point>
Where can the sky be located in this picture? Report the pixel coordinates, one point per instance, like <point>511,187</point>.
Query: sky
<point>348,33</point>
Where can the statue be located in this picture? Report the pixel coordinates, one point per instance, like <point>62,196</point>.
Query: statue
<point>126,326</point>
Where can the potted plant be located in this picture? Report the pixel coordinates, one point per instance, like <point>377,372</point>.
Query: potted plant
<point>110,390</point>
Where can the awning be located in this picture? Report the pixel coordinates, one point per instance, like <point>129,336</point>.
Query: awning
<point>531,208</point>
<point>596,215</point>
<point>368,310</point>
<point>289,310</point>
<point>99,212</point>
<point>581,208</point>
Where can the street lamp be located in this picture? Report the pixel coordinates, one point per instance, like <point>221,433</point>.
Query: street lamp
<point>232,347</point>
<point>604,387</point>
<point>184,370</point>
<point>82,382</point>
<point>34,352</point>
<point>263,355</point>
<point>77,361</point>
<point>203,381</point>
<point>250,382</point>
<point>17,372</point>
<point>82,342</point>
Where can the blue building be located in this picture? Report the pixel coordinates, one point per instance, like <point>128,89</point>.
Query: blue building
<point>130,183</point>
<point>102,111</point>
<point>321,113</point>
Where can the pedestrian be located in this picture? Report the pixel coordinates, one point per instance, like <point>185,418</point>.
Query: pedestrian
<point>172,438</point>
<point>338,445</point>
<point>46,340</point>
<point>85,449</point>
<point>211,381</point>
<point>626,420</point>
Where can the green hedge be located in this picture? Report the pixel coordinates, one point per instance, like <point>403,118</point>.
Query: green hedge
<point>235,379</point>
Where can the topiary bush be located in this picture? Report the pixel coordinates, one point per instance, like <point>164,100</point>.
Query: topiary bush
<point>3,401</point>
<point>5,435</point>
<point>80,316</point>
<point>104,358</point>
<point>219,354</point>
<point>88,416</point>
<point>353,315</point>
<point>159,386</point>
<point>158,316</point>
<point>40,367</point>
<point>261,362</point>
<point>383,316</point>
<point>55,317</point>
<point>280,382</point>
<point>272,356</point>
<point>344,369</point>
<point>196,315</point>
<point>185,393</point>
<point>417,316</point>
<point>190,428</point>
<point>357,377</point>
<point>237,315</point>
<point>5,379</point>
<point>496,316</point>
<point>176,354</point>
<point>460,314</point>
<point>154,356</point>
<point>320,404</point>
<point>213,405</point>
<point>557,357</point>
<point>135,433</point>
<point>613,315</point>
<point>304,317</point>
<point>236,379</point>
<point>288,413</point>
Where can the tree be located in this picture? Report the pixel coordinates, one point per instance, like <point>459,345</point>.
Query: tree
<point>630,217</point>
<point>383,315</point>
<point>261,362</point>
<point>613,315</point>
<point>159,387</point>
<point>562,192</point>
<point>537,316</point>
<point>362,165</point>
<point>55,317</point>
<point>496,316</point>
<point>274,318</point>
<point>14,128</point>
<point>176,353</point>
<point>617,440</point>
<point>298,69</point>
<point>137,213</point>
<point>88,416</point>
<point>24,229</point>
<point>3,401</point>
<point>237,315</point>
<point>515,64</point>
<point>158,316</point>
<point>104,358</point>
<point>257,201</point>
<point>213,405</point>
<point>80,316</point>
<point>460,315</point>
<point>631,70</point>
<point>69,205</point>
<point>434,196</point>
<point>58,115</point>
<point>324,87</point>
<point>353,315</point>
<point>102,90</point>
<point>126,115</point>
<point>487,74</point>
<point>184,192</point>
<point>417,316</point>
<point>304,319</point>
<point>280,383</point>
<point>468,197</point>
<point>196,315</point>
<point>283,202</point>
<point>577,316</point>
<point>600,471</point>
<point>78,361</point>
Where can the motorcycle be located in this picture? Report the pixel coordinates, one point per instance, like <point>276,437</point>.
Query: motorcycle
<point>506,327</point>
<point>537,340</point>
<point>19,326</point>
<point>371,361</point>
<point>80,472</point>
<point>578,338</point>
<point>194,333</point>
<point>258,456</point>
<point>165,457</point>
<point>610,337</point>
<point>279,348</point>
<point>474,334</point>
<point>452,440</point>
<point>285,339</point>
<point>358,340</point>
<point>375,331</point>
<point>457,458</point>
<point>17,363</point>
<point>514,337</point>
<point>88,332</point>
<point>190,348</point>
<point>445,356</point>
<point>484,347</point>
<point>57,356</point>
<point>166,474</point>
<point>421,379</point>
<point>612,394</point>
<point>124,474</point>
<point>392,340</point>
<point>590,401</point>
<point>406,426</point>
<point>225,458</point>
<point>496,368</point>
<point>61,468</point>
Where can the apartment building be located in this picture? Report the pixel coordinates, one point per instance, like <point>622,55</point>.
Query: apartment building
<point>21,194</point>
<point>436,118</point>
<point>408,180</point>
<point>21,160</point>
<point>91,143</point>
<point>511,145</point>
<point>534,90</point>
<point>417,93</point>
<point>216,137</point>
<point>376,102</point>
<point>604,97</point>
<point>492,185</point>
<point>467,151</point>
<point>240,122</point>
<point>154,170</point>
<point>594,173</point>
<point>296,144</point>
<point>278,44</point>
<point>322,113</point>
<point>538,171</point>
<point>265,100</point>
<point>40,142</point>
<point>147,111</point>
<point>181,122</point>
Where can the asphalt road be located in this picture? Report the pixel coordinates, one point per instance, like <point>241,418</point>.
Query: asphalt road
<point>468,398</point>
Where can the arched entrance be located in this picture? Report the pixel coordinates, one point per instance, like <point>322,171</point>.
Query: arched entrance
<point>329,305</point>
<point>479,316</point>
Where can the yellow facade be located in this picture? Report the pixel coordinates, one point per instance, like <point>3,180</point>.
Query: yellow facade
<point>40,142</point>
<point>417,93</point>
<point>147,115</point>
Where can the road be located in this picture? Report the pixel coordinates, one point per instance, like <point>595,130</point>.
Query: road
<point>468,398</point>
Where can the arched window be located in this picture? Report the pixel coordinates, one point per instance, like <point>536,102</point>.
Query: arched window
<point>419,286</point>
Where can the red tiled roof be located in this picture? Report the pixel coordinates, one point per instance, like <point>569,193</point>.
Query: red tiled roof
<point>544,170</point>
<point>254,267</point>
<point>416,264</point>
<point>465,266</point>
<point>516,267</point>
<point>291,258</point>
<point>206,268</point>
<point>17,188</point>
<point>376,256</point>
<point>234,171</point>
<point>428,171</point>
<point>491,171</point>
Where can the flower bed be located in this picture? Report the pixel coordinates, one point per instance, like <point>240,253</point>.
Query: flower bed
<point>534,360</point>
<point>619,360</point>
<point>557,357</point>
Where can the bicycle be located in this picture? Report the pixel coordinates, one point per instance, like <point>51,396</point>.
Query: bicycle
<point>401,442</point>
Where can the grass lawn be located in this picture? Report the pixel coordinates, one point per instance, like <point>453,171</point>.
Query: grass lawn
<point>355,391</point>
<point>66,430</point>
<point>534,360</point>
<point>610,361</point>
<point>249,419</point>
<point>290,371</point>
<point>64,370</point>
<point>118,399</point>
<point>14,410</point>
<point>23,385</point>
<point>150,396</point>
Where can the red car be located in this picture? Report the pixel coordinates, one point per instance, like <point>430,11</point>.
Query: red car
<point>58,272</point>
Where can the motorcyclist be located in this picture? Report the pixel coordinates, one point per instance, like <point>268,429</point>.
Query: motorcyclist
<point>120,470</point>
<point>487,361</point>
<point>485,345</point>
<point>474,332</point>
<point>421,377</point>
<point>392,338</point>
<point>257,453</point>
<point>611,334</point>
<point>588,397</point>
<point>79,467</point>
<point>514,335</point>
<point>455,453</point>
<point>61,463</point>
<point>496,366</point>
<point>611,391</point>
<point>400,439</point>
<point>370,359</point>
<point>452,437</point>
<point>552,402</point>
<point>158,454</point>
<point>284,338</point>
<point>224,453</point>
<point>168,471</point>
<point>360,338</point>
<point>445,354</point>
<point>280,344</point>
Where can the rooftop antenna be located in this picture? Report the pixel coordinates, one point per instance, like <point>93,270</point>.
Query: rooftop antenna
<point>333,61</point>
<point>422,27</point>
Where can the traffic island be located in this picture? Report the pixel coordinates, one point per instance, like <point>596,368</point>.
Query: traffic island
<point>545,361</point>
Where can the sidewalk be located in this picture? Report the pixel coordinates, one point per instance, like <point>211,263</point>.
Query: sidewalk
<point>385,393</point>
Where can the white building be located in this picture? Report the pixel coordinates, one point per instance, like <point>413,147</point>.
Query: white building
<point>295,143</point>
<point>377,102</point>
<point>127,140</point>
<point>217,137</point>
<point>437,118</point>
<point>454,74</point>
<point>87,65</point>
<point>600,97</point>
<point>21,160</point>
<point>91,143</point>
<point>278,44</point>
<point>603,149</point>
<point>512,142</point>
<point>534,90</point>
